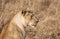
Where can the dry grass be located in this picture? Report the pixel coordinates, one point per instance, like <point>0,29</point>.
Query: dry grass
<point>48,12</point>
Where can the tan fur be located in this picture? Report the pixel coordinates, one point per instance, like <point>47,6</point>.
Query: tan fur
<point>15,29</point>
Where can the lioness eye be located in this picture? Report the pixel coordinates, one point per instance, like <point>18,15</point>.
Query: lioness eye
<point>29,11</point>
<point>32,16</point>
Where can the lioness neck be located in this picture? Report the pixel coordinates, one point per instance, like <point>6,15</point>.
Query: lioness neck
<point>19,21</point>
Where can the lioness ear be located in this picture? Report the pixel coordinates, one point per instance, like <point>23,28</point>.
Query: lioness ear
<point>23,12</point>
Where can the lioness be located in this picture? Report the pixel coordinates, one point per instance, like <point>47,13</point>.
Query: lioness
<point>15,29</point>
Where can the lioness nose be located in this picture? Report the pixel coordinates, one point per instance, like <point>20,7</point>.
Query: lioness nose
<point>37,21</point>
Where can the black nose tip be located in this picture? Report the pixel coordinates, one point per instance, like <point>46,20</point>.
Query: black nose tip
<point>37,21</point>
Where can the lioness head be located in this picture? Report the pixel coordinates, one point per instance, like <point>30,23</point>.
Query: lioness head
<point>30,18</point>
